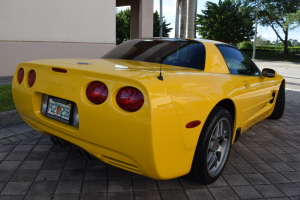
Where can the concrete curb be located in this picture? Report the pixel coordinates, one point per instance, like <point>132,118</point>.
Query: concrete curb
<point>8,118</point>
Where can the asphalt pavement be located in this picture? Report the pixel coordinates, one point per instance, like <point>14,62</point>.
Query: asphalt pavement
<point>5,80</point>
<point>263,164</point>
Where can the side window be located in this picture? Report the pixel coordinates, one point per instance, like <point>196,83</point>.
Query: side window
<point>237,62</point>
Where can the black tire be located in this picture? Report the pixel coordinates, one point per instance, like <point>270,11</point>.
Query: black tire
<point>212,152</point>
<point>279,104</point>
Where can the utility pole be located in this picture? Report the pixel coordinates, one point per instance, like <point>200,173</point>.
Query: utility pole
<point>256,19</point>
<point>161,20</point>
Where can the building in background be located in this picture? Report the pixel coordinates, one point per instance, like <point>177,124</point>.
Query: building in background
<point>32,30</point>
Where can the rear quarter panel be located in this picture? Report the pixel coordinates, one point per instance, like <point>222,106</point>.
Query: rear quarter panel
<point>194,99</point>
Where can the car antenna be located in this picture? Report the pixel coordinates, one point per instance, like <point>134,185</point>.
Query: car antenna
<point>160,77</point>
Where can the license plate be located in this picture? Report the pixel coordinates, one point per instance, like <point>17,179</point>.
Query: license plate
<point>59,109</point>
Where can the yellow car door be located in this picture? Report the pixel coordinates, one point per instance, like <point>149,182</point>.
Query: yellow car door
<point>256,96</point>
<point>256,90</point>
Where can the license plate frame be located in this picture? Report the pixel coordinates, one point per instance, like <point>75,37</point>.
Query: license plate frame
<point>64,113</point>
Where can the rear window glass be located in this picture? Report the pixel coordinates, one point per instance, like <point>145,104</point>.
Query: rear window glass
<point>183,53</point>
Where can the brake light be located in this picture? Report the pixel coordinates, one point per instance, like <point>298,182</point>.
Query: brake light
<point>97,92</point>
<point>20,75</point>
<point>130,99</point>
<point>31,78</point>
<point>59,70</point>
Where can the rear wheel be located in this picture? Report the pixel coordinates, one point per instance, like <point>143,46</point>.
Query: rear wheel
<point>279,105</point>
<point>213,147</point>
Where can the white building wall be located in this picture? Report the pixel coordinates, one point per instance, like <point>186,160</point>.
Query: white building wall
<point>57,20</point>
<point>39,29</point>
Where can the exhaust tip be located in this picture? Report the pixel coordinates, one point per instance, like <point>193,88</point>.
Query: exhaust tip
<point>54,140</point>
<point>58,141</point>
<point>80,151</point>
<point>63,143</point>
<point>88,155</point>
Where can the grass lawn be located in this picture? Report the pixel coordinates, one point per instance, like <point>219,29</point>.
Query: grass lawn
<point>274,56</point>
<point>6,100</point>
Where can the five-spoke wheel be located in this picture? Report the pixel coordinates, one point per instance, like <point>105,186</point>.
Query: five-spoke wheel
<point>213,146</point>
<point>218,147</point>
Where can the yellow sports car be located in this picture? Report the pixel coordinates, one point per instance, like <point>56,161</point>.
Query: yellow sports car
<point>162,108</point>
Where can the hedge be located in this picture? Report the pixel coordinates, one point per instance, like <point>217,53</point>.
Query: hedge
<point>279,49</point>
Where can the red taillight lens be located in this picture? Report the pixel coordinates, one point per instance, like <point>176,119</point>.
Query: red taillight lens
<point>97,92</point>
<point>31,78</point>
<point>59,70</point>
<point>130,99</point>
<point>20,75</point>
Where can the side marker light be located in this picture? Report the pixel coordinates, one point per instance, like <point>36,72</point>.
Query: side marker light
<point>193,124</point>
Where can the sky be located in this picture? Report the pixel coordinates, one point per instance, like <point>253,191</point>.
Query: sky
<point>169,11</point>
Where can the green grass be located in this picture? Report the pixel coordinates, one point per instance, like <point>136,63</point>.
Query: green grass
<point>273,56</point>
<point>6,100</point>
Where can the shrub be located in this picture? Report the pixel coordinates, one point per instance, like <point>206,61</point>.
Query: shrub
<point>245,45</point>
<point>294,49</point>
<point>278,49</point>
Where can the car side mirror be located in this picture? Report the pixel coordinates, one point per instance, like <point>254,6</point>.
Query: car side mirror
<point>268,72</point>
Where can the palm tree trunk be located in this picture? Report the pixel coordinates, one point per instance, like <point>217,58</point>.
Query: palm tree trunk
<point>161,19</point>
<point>178,8</point>
<point>191,19</point>
<point>183,19</point>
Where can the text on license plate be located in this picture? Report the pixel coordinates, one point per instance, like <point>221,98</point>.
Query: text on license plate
<point>59,109</point>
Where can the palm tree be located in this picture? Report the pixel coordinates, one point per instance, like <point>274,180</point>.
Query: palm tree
<point>181,15</point>
<point>178,4</point>
<point>160,19</point>
<point>191,19</point>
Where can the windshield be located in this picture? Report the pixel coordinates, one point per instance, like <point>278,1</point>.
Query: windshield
<point>183,53</point>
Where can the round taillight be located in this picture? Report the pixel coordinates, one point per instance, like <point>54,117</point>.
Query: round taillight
<point>97,92</point>
<point>130,99</point>
<point>31,78</point>
<point>20,75</point>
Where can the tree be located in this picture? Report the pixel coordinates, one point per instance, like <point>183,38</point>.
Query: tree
<point>156,27</point>
<point>294,43</point>
<point>122,26</point>
<point>278,15</point>
<point>293,18</point>
<point>262,41</point>
<point>226,21</point>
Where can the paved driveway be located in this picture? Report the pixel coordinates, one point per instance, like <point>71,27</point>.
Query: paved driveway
<point>263,164</point>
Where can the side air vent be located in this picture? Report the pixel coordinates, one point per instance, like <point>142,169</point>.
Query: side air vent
<point>273,95</point>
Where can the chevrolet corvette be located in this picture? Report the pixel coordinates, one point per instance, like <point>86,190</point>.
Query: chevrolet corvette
<point>161,108</point>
